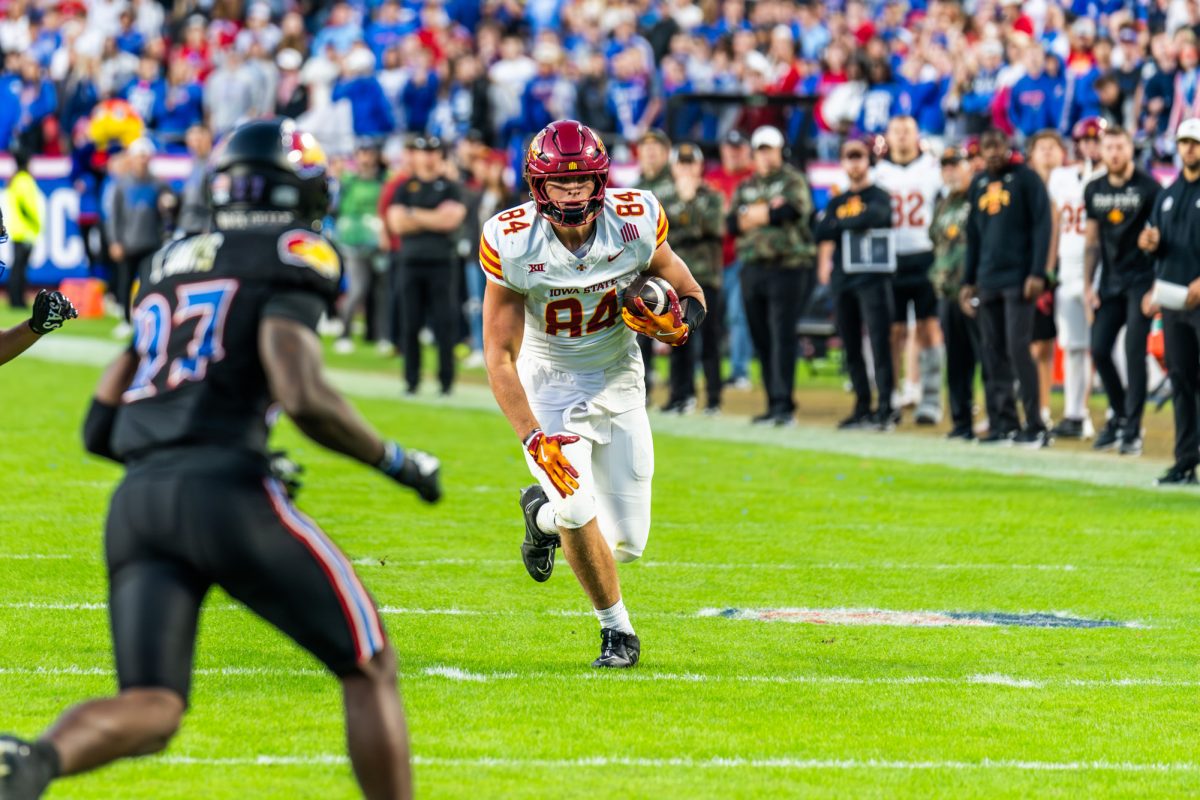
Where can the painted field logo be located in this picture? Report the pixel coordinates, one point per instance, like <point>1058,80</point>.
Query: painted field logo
<point>916,619</point>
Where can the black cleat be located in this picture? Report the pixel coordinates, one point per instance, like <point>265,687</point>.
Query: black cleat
<point>764,419</point>
<point>537,551</point>
<point>1068,428</point>
<point>963,432</point>
<point>24,771</point>
<point>1033,438</point>
<point>1177,476</point>
<point>997,438</point>
<point>1110,434</point>
<point>858,421</point>
<point>618,650</point>
<point>1131,447</point>
<point>421,471</point>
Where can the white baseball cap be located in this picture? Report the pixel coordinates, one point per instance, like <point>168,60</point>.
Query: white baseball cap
<point>1188,129</point>
<point>145,147</point>
<point>769,136</point>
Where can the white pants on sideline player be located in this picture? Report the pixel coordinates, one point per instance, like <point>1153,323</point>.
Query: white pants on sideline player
<point>1074,338</point>
<point>614,455</point>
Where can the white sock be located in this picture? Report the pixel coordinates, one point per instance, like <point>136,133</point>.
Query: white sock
<point>1075,376</point>
<point>615,617</point>
<point>545,519</point>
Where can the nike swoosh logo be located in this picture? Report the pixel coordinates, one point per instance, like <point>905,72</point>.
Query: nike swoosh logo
<point>616,255</point>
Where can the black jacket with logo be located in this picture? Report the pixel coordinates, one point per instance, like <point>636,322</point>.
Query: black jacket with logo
<point>1176,214</point>
<point>1008,230</point>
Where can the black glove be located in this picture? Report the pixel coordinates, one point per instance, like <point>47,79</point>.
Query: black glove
<point>413,468</point>
<point>50,311</point>
<point>287,472</point>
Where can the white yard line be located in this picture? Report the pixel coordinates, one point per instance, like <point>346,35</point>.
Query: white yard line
<point>731,763</point>
<point>460,675</point>
<point>1095,468</point>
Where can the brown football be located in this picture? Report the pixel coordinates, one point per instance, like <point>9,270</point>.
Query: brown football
<point>652,290</point>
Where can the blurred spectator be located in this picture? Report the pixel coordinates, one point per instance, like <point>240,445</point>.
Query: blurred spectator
<point>491,196</point>
<point>147,91</point>
<point>339,33</point>
<point>36,101</point>
<point>372,113</point>
<point>24,212</point>
<point>420,91</point>
<point>291,95</point>
<point>180,106</point>
<point>136,224</point>
<point>654,175</point>
<point>631,98</point>
<point>228,95</point>
<point>548,96</point>
<point>194,213</point>
<point>357,231</point>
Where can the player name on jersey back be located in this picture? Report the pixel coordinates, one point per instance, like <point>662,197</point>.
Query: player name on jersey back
<point>914,189</point>
<point>572,303</point>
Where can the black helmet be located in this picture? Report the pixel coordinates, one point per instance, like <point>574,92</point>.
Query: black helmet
<point>266,173</point>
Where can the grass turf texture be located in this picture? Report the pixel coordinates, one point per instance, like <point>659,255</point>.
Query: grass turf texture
<point>824,531</point>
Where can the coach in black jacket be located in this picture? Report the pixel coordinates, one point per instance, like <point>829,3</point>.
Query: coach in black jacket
<point>1172,236</point>
<point>1008,243</point>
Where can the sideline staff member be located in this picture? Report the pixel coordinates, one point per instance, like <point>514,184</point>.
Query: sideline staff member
<point>1173,237</point>
<point>770,217</point>
<point>1008,244</point>
<point>424,212</point>
<point>1118,204</point>
<point>860,265</point>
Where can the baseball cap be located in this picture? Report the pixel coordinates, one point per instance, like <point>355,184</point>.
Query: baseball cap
<point>655,135</point>
<point>688,153</point>
<point>952,155</point>
<point>1189,129</point>
<point>766,136</point>
<point>735,138</point>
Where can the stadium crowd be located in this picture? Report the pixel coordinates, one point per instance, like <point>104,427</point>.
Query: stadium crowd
<point>426,109</point>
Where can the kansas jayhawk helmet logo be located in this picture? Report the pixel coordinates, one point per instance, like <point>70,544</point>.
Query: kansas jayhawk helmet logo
<point>307,249</point>
<point>304,153</point>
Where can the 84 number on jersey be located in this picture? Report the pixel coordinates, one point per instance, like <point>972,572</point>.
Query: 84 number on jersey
<point>566,315</point>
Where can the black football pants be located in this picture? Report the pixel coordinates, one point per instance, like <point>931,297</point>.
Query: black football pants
<point>1181,335</point>
<point>870,306</point>
<point>1006,332</point>
<point>774,299</point>
<point>16,276</point>
<point>429,292</point>
<point>1124,310</point>
<point>962,358</point>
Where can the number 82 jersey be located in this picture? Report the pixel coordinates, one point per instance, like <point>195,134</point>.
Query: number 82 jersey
<point>573,301</point>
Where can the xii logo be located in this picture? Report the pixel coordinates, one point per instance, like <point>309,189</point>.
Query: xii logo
<point>537,268</point>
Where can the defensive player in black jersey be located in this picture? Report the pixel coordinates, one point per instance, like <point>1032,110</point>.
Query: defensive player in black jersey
<point>224,327</point>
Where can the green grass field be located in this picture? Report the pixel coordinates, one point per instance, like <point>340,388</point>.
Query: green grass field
<point>501,700</point>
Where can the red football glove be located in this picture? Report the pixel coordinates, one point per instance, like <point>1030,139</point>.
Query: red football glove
<point>547,453</point>
<point>667,327</point>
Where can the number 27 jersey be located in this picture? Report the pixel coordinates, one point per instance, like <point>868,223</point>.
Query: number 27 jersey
<point>573,303</point>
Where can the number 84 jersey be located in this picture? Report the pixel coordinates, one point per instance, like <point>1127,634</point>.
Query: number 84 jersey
<point>573,300</point>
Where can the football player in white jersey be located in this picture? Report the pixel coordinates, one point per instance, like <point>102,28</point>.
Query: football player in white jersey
<point>914,181</point>
<point>1066,186</point>
<point>568,374</point>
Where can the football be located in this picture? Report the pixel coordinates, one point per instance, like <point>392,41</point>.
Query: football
<point>653,292</point>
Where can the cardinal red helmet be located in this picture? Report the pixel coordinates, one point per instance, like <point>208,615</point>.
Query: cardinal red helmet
<point>567,149</point>
<point>1089,128</point>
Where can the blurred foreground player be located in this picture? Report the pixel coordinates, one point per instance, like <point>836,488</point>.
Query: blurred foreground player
<point>224,325</point>
<point>568,375</point>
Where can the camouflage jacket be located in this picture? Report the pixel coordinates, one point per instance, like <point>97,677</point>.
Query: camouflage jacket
<point>662,185</point>
<point>696,232</point>
<point>790,244</point>
<point>948,230</point>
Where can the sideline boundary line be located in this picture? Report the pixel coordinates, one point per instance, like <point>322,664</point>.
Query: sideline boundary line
<point>1088,468</point>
